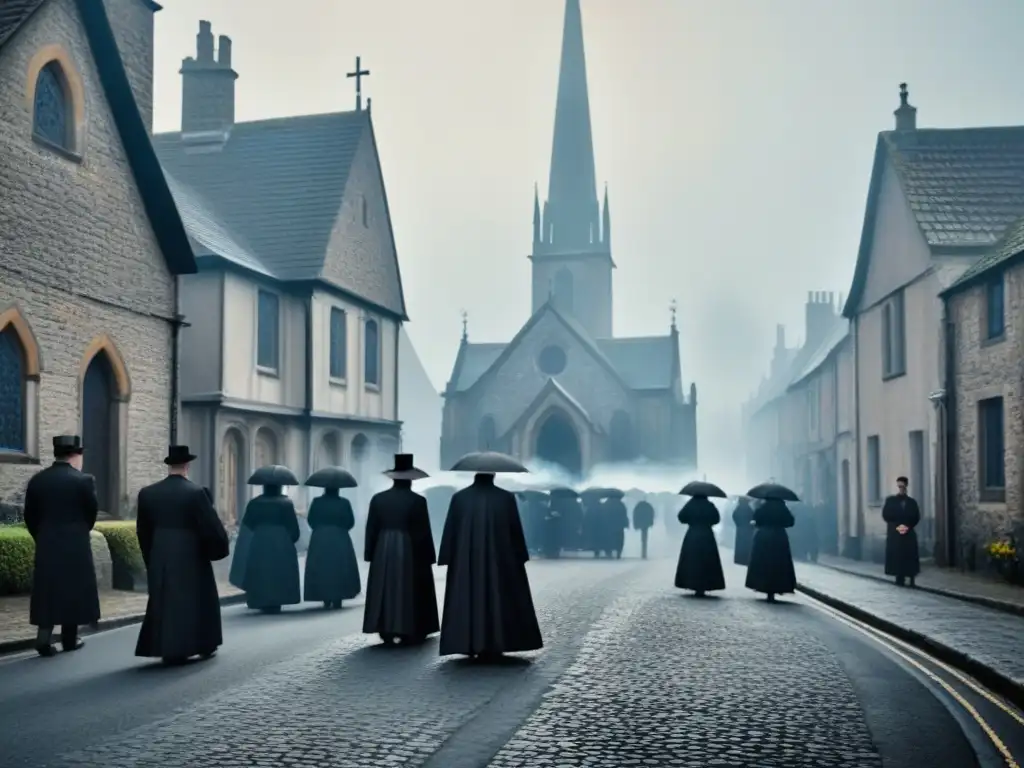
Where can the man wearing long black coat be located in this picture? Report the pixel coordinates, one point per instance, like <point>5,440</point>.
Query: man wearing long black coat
<point>180,535</point>
<point>901,515</point>
<point>488,608</point>
<point>60,511</point>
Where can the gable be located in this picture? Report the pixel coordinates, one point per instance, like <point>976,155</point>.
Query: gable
<point>360,256</point>
<point>553,396</point>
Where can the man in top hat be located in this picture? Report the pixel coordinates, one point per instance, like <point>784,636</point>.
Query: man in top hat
<point>60,511</point>
<point>180,535</point>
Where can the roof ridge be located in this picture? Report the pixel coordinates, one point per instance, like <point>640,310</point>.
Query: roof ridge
<point>280,119</point>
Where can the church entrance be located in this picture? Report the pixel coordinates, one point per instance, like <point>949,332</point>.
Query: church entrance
<point>99,431</point>
<point>558,443</point>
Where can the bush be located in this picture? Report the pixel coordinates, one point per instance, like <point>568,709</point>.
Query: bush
<point>125,553</point>
<point>17,556</point>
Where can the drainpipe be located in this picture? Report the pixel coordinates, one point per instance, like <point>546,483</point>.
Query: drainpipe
<point>310,391</point>
<point>858,468</point>
<point>401,430</point>
<point>177,323</point>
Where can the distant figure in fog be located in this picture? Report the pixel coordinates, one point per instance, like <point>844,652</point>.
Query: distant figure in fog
<point>643,521</point>
<point>180,536</point>
<point>488,608</point>
<point>615,518</point>
<point>700,567</point>
<point>272,566</point>
<point>332,570</point>
<point>743,519</point>
<point>594,535</point>
<point>401,603</point>
<point>771,561</point>
<point>901,515</point>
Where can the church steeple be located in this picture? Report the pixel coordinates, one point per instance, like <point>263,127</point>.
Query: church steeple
<point>606,222</point>
<point>572,185</point>
<point>536,217</point>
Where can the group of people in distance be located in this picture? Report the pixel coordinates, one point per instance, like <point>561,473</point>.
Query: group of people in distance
<point>761,541</point>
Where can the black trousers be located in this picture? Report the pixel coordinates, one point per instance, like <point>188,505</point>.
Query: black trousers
<point>68,634</point>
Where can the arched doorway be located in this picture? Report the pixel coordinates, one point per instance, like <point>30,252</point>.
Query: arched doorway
<point>231,478</point>
<point>558,443</point>
<point>100,430</point>
<point>329,453</point>
<point>266,448</point>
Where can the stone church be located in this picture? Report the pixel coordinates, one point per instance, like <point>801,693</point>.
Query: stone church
<point>565,389</point>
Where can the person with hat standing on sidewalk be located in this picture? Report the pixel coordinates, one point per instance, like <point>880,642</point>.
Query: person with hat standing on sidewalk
<point>60,511</point>
<point>180,536</point>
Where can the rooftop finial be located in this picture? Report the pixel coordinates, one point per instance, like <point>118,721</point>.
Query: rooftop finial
<point>465,325</point>
<point>906,115</point>
<point>359,74</point>
<point>904,94</point>
<point>673,307</point>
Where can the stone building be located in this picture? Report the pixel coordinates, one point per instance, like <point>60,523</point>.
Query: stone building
<point>292,352</point>
<point>91,246</point>
<point>565,389</point>
<point>984,334</point>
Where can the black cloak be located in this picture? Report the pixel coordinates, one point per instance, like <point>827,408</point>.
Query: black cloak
<point>743,519</point>
<point>902,558</point>
<point>332,570</point>
<point>272,565</point>
<point>771,561</point>
<point>700,567</point>
<point>615,521</point>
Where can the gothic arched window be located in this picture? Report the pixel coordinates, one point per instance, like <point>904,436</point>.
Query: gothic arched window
<point>371,351</point>
<point>564,290</point>
<point>488,434</point>
<point>52,118</point>
<point>12,391</point>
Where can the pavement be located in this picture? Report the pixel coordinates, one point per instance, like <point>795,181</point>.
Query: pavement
<point>633,673</point>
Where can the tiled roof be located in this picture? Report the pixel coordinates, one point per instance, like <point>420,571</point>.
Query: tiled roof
<point>476,359</point>
<point>279,184</point>
<point>836,336</point>
<point>1010,247</point>
<point>14,13</point>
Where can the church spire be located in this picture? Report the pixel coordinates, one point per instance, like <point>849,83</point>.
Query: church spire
<point>606,221</point>
<point>536,216</point>
<point>572,187</point>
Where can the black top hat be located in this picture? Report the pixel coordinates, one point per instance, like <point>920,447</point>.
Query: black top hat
<point>67,445</point>
<point>178,455</point>
<point>404,469</point>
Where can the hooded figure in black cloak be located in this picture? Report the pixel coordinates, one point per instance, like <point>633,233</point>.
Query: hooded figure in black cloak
<point>616,520</point>
<point>700,567</point>
<point>771,561</point>
<point>180,535</point>
<point>743,519</point>
<point>401,603</point>
<point>488,608</point>
<point>901,515</point>
<point>272,566</point>
<point>332,570</point>
<point>643,520</point>
<point>594,536</point>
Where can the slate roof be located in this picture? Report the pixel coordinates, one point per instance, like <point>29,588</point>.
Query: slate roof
<point>821,353</point>
<point>14,13</point>
<point>965,187</point>
<point>278,184</point>
<point>1002,255</point>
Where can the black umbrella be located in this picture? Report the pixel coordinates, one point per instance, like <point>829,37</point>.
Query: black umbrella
<point>273,474</point>
<point>602,492</point>
<point>772,491</point>
<point>562,491</point>
<point>488,462</point>
<point>529,495</point>
<point>332,477</point>
<point>706,490</point>
<point>613,493</point>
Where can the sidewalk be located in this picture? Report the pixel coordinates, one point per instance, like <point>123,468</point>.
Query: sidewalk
<point>972,587</point>
<point>986,643</point>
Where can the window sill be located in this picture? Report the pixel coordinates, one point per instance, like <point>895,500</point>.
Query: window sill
<point>894,375</point>
<point>338,382</point>
<point>992,496</point>
<point>372,387</point>
<point>17,457</point>
<point>270,373</point>
<point>64,152</point>
<point>993,340</point>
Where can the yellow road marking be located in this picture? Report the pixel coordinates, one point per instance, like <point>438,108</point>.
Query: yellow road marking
<point>890,643</point>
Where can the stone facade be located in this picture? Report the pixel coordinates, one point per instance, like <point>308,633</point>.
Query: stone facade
<point>81,272</point>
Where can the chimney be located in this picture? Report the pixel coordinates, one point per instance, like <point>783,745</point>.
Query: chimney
<point>208,87</point>
<point>906,115</point>
<point>820,313</point>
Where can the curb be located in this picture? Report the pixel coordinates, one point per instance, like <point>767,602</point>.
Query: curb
<point>8,647</point>
<point>992,679</point>
<point>995,604</point>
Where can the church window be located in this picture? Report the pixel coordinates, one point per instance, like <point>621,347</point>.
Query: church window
<point>52,119</point>
<point>552,360</point>
<point>371,351</point>
<point>12,391</point>
<point>267,331</point>
<point>488,434</point>
<point>564,290</point>
<point>339,343</point>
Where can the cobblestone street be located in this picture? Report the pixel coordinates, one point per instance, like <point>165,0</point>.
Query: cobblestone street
<point>632,673</point>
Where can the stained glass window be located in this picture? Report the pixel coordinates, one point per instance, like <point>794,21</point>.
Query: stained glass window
<point>372,361</point>
<point>51,120</point>
<point>12,392</point>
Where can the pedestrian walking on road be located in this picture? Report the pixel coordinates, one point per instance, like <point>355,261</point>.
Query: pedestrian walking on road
<point>332,570</point>
<point>743,520</point>
<point>272,565</point>
<point>60,511</point>
<point>901,514</point>
<point>643,521</point>
<point>180,536</point>
<point>401,603</point>
<point>488,608</point>
<point>771,568</point>
<point>700,567</point>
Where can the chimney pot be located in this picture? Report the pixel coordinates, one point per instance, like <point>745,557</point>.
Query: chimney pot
<point>224,51</point>
<point>204,42</point>
<point>906,115</point>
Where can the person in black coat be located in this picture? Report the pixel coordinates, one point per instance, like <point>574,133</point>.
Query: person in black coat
<point>643,521</point>
<point>332,570</point>
<point>60,511</point>
<point>615,521</point>
<point>488,608</point>
<point>901,515</point>
<point>401,603</point>
<point>180,536</point>
<point>771,560</point>
<point>743,519</point>
<point>699,568</point>
<point>272,566</point>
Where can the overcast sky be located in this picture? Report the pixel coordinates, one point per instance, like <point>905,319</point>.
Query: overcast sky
<point>736,137</point>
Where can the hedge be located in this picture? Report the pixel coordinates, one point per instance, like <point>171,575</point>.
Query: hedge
<point>17,556</point>
<point>125,553</point>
